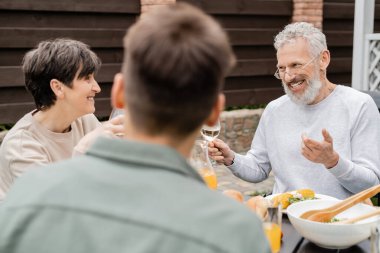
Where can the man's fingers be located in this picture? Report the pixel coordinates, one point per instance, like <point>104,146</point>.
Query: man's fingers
<point>218,153</point>
<point>306,154</point>
<point>306,148</point>
<point>213,150</point>
<point>214,153</point>
<point>308,143</point>
<point>312,144</point>
<point>218,143</point>
<point>326,135</point>
<point>221,145</point>
<point>218,158</point>
<point>303,136</point>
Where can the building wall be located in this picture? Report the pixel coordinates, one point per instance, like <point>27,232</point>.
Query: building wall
<point>251,25</point>
<point>308,11</point>
<point>24,23</point>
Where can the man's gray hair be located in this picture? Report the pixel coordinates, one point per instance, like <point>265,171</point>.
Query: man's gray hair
<point>314,36</point>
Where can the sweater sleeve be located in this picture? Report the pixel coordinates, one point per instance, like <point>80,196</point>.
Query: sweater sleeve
<point>254,166</point>
<point>23,152</point>
<point>362,170</point>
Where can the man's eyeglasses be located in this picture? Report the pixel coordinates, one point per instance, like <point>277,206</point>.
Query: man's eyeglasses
<point>296,68</point>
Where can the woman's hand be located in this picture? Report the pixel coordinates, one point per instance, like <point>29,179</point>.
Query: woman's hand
<point>111,128</point>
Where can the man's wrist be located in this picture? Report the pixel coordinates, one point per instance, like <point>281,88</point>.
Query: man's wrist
<point>229,162</point>
<point>334,161</point>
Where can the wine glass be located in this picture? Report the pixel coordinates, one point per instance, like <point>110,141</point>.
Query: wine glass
<point>115,112</point>
<point>209,133</point>
<point>200,161</point>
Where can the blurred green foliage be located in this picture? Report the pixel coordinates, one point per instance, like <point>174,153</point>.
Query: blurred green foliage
<point>231,108</point>
<point>375,200</point>
<point>5,126</point>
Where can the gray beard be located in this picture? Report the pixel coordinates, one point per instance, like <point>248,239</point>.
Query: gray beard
<point>309,95</point>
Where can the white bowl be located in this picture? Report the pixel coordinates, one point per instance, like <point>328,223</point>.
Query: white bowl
<point>330,235</point>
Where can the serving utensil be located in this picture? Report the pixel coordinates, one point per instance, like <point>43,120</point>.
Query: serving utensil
<point>359,218</point>
<point>326,214</point>
<point>311,212</point>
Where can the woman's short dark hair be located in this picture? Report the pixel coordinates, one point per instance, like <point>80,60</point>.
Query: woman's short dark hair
<point>59,59</point>
<point>175,62</point>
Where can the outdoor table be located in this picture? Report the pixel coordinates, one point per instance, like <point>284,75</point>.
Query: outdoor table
<point>292,242</point>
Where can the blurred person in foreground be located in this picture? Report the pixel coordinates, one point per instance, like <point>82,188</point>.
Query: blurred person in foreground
<point>60,74</point>
<point>139,194</point>
<point>319,135</point>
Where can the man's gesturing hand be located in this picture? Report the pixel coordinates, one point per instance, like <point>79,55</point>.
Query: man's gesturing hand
<point>320,152</point>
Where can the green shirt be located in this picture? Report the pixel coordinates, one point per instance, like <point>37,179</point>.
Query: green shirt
<point>124,196</point>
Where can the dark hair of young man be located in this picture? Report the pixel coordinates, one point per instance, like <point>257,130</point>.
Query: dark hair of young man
<point>59,59</point>
<point>175,63</point>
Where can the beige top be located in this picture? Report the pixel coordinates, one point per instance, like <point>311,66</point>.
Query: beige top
<point>30,144</point>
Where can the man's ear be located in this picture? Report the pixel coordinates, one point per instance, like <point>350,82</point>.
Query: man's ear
<point>57,87</point>
<point>325,60</point>
<point>216,110</point>
<point>117,92</point>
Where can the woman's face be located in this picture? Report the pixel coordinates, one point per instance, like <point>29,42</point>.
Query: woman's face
<point>79,99</point>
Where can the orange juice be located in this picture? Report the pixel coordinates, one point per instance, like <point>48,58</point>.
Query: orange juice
<point>273,233</point>
<point>209,177</point>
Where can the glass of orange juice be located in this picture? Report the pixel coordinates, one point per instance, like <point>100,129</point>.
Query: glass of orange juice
<point>200,161</point>
<point>272,228</point>
<point>209,177</point>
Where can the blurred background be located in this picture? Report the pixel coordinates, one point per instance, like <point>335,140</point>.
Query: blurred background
<point>251,25</point>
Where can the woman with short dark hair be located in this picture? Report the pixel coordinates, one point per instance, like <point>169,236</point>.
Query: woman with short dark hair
<point>60,76</point>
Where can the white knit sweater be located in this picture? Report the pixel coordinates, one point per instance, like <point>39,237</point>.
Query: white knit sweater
<point>353,121</point>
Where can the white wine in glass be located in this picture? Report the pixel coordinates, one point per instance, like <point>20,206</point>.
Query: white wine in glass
<point>209,133</point>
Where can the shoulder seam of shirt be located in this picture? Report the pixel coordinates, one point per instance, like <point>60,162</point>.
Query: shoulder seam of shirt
<point>20,143</point>
<point>122,219</point>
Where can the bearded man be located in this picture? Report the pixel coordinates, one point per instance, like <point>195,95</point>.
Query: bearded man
<point>319,135</point>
